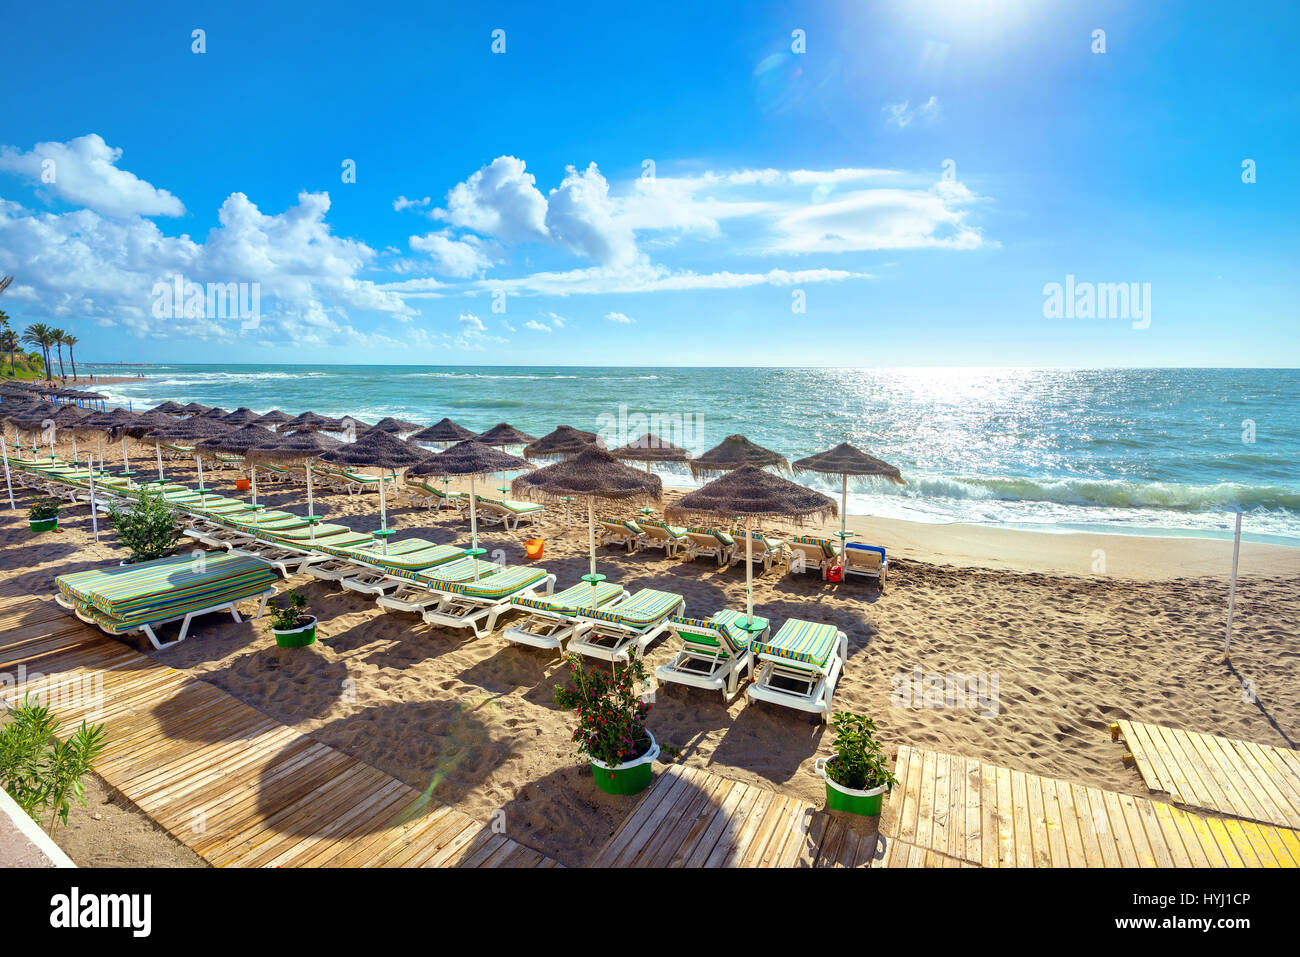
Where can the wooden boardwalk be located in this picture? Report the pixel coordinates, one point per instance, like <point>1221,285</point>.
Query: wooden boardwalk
<point>995,817</point>
<point>236,786</point>
<point>1257,782</point>
<point>691,818</point>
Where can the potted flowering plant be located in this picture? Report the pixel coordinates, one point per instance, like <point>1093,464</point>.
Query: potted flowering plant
<point>611,723</point>
<point>43,515</point>
<point>857,775</point>
<point>291,625</point>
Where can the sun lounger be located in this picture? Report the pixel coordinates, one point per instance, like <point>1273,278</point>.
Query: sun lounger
<point>477,605</point>
<point>660,535</point>
<point>429,495</point>
<point>805,553</point>
<point>615,531</point>
<point>706,541</point>
<point>417,591</point>
<point>799,666</point>
<point>125,599</point>
<point>763,549</point>
<point>348,562</point>
<point>608,633</point>
<point>551,621</point>
<point>508,513</point>
<point>866,560</point>
<point>376,576</point>
<point>714,653</point>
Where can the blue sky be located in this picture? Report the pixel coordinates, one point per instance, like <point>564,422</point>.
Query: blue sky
<point>517,181</point>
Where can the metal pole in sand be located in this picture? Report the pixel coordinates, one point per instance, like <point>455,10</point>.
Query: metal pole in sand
<point>8,485</point>
<point>1232,587</point>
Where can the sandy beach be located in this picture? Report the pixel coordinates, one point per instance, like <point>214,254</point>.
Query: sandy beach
<point>1057,649</point>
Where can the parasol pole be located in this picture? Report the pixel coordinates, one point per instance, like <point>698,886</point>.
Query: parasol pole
<point>203,494</point>
<point>383,512</point>
<point>473,527</point>
<point>591,534</point>
<point>4,452</point>
<point>252,471</point>
<point>94,515</point>
<point>844,509</point>
<point>101,450</point>
<point>158,447</point>
<point>74,450</point>
<point>749,574</point>
<point>1232,587</point>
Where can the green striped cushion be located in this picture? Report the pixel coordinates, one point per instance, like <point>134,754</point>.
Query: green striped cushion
<point>412,560</point>
<point>577,598</point>
<point>512,505</point>
<point>122,592</point>
<point>450,573</point>
<point>724,623</point>
<point>828,549</point>
<point>804,641</point>
<point>647,607</point>
<point>676,531</point>
<point>720,536</point>
<point>439,493</point>
<point>149,616</point>
<point>500,585</point>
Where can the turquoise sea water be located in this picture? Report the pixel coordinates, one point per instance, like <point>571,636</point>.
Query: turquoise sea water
<point>1154,451</point>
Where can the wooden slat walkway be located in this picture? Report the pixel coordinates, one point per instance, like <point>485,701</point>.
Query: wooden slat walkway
<point>970,811</point>
<point>1257,782</point>
<point>691,818</point>
<point>236,786</point>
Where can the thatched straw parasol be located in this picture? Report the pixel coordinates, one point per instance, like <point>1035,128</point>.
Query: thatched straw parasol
<point>470,459</point>
<point>504,434</point>
<point>169,407</point>
<point>590,475</point>
<point>312,420</point>
<point>103,423</point>
<point>733,452</point>
<point>845,460</point>
<point>378,450</point>
<point>562,443</point>
<point>178,430</point>
<point>194,408</point>
<point>394,426</point>
<point>66,417</point>
<point>241,416</point>
<point>236,442</point>
<point>216,412</point>
<point>650,448</point>
<point>750,492</point>
<point>501,436</point>
<point>270,419</point>
<point>444,431</point>
<point>302,448</point>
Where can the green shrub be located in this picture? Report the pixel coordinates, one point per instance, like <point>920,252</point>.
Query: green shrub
<point>611,716</point>
<point>859,761</point>
<point>41,773</point>
<point>147,527</point>
<point>44,509</point>
<point>290,616</point>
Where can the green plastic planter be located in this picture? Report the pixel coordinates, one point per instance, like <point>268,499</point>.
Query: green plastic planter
<point>296,637</point>
<point>851,800</point>
<point>43,524</point>
<point>630,777</point>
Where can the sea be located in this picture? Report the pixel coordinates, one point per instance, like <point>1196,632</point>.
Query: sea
<point>1172,452</point>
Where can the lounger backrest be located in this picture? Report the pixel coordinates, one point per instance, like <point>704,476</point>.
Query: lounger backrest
<point>704,634</point>
<point>864,556</point>
<point>825,546</point>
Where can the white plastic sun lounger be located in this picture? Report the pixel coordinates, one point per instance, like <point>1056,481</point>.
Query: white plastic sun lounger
<point>477,605</point>
<point>714,653</point>
<point>417,591</point>
<point>338,564</point>
<point>550,622</point>
<point>376,577</point>
<point>799,666</point>
<point>608,633</point>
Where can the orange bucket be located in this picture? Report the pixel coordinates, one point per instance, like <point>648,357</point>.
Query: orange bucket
<point>241,484</point>
<point>534,548</point>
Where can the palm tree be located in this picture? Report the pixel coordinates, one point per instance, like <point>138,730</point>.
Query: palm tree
<point>9,343</point>
<point>56,340</point>
<point>4,282</point>
<point>39,334</point>
<point>71,341</point>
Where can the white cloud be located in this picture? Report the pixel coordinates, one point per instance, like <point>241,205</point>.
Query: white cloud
<point>620,318</point>
<point>581,215</point>
<point>558,321</point>
<point>84,172</point>
<point>473,334</point>
<point>904,114</point>
<point>646,278</point>
<point>875,219</point>
<point>402,203</point>
<point>536,326</point>
<point>452,256</point>
<point>500,200</point>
